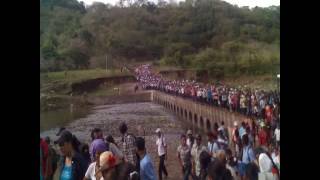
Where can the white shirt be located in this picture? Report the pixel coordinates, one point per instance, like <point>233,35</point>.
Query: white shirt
<point>161,143</point>
<point>189,143</point>
<point>91,171</point>
<point>277,133</point>
<point>265,163</point>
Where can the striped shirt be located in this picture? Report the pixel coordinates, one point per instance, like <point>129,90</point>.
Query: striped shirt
<point>129,149</point>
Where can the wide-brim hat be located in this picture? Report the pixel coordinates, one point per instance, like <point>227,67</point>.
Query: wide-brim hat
<point>107,161</point>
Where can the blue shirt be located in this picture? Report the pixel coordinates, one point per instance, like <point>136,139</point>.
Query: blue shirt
<point>209,94</point>
<point>66,173</point>
<point>247,155</point>
<point>146,169</point>
<point>241,131</point>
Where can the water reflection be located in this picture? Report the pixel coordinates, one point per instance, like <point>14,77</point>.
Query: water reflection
<point>57,118</point>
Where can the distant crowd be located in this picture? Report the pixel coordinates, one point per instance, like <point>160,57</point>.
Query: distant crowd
<point>256,103</point>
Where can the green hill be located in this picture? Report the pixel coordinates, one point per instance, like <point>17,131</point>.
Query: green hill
<point>206,34</point>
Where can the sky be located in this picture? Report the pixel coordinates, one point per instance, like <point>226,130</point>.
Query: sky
<point>240,3</point>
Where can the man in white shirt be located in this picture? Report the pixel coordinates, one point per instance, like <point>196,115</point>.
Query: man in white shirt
<point>162,151</point>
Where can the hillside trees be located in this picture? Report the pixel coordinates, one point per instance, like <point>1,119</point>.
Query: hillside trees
<point>206,34</point>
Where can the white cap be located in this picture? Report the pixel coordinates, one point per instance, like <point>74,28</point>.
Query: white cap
<point>189,132</point>
<point>158,130</point>
<point>235,123</point>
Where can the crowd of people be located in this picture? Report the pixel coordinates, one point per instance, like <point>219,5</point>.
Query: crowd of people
<point>218,156</point>
<point>236,157</point>
<point>251,102</point>
<point>250,152</point>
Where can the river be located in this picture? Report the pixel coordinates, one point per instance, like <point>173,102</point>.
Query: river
<point>142,119</point>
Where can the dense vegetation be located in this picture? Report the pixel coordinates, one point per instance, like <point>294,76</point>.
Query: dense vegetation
<point>202,34</point>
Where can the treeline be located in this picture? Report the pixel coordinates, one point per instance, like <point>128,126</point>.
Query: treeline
<point>203,34</point>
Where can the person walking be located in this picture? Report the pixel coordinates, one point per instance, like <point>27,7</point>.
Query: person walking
<point>162,151</point>
<point>52,160</point>
<point>96,133</point>
<point>128,145</point>
<point>248,155</point>
<point>196,150</point>
<point>184,157</point>
<point>113,147</point>
<point>190,138</point>
<point>147,171</point>
<point>111,167</point>
<point>213,145</point>
<point>72,165</point>
<point>98,147</point>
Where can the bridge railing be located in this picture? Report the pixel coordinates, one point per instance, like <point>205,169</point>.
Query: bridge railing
<point>198,116</point>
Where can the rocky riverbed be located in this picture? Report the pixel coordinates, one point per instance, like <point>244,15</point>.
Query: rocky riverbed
<point>142,119</point>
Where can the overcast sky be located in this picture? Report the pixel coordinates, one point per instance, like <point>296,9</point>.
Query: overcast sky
<point>250,3</point>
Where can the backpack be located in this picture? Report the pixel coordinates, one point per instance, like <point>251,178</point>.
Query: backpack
<point>275,168</point>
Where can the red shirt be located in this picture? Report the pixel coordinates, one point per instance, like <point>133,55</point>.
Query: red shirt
<point>263,138</point>
<point>268,114</point>
<point>45,151</point>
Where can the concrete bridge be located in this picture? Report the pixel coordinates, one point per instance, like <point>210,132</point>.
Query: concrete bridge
<point>198,117</point>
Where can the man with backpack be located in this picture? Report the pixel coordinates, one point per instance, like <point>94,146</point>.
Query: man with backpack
<point>247,155</point>
<point>162,152</point>
<point>268,168</point>
<point>128,145</point>
<point>213,145</point>
<point>224,130</point>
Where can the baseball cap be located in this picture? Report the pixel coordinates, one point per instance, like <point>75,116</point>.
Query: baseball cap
<point>189,132</point>
<point>107,161</point>
<point>158,130</point>
<point>65,136</point>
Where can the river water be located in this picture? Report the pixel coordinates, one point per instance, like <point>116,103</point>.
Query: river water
<point>142,120</point>
<point>57,118</point>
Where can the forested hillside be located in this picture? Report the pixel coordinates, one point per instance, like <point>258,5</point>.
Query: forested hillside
<point>203,34</point>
